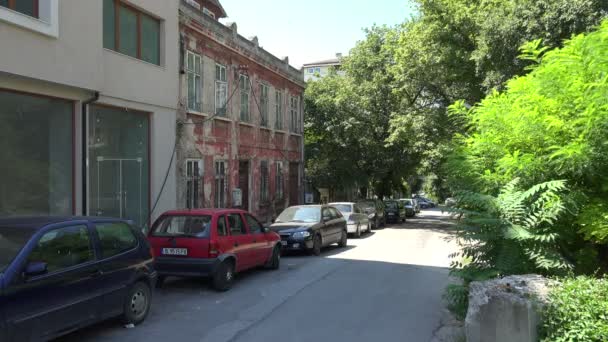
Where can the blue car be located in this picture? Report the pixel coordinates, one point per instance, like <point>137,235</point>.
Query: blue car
<point>60,274</point>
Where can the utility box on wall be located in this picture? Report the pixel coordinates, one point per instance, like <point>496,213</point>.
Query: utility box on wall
<point>237,198</point>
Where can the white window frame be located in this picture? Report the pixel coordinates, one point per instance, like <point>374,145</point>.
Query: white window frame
<point>294,113</point>
<point>194,199</point>
<point>221,89</point>
<point>47,22</point>
<point>279,180</point>
<point>197,77</point>
<point>264,105</point>
<point>208,12</point>
<point>219,186</point>
<point>245,90</point>
<point>278,109</point>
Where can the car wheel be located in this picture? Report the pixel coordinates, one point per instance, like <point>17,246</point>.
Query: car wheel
<point>160,281</point>
<point>224,276</point>
<point>275,260</point>
<point>343,240</point>
<point>137,304</point>
<point>358,233</point>
<point>316,245</point>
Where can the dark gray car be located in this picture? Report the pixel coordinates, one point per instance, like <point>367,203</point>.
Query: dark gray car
<point>310,228</point>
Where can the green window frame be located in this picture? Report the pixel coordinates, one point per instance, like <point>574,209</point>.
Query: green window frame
<point>131,32</point>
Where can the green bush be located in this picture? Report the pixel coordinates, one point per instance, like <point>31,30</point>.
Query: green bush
<point>577,311</point>
<point>457,298</point>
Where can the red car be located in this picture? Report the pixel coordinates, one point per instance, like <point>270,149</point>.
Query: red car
<point>215,243</point>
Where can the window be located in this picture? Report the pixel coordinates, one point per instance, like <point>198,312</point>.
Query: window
<point>294,114</point>
<point>318,70</point>
<point>208,12</point>
<point>37,160</point>
<point>221,226</point>
<point>192,226</point>
<point>264,105</point>
<point>27,7</point>
<point>264,181</point>
<point>334,213</point>
<point>254,226</point>
<point>194,76</point>
<point>194,175</point>
<point>221,90</point>
<point>326,214</point>
<point>279,180</point>
<point>278,108</point>
<point>63,248</point>
<point>236,225</point>
<point>130,31</point>
<point>244,88</point>
<point>220,184</point>
<point>115,238</point>
<point>311,70</point>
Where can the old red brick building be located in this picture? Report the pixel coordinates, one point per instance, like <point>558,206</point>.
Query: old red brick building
<point>240,129</point>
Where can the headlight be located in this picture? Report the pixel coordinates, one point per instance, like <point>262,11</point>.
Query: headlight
<point>301,235</point>
<point>370,216</point>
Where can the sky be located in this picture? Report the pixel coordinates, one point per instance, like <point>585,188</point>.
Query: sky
<point>312,30</point>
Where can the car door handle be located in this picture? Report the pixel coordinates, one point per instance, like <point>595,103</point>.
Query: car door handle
<point>236,244</point>
<point>254,240</point>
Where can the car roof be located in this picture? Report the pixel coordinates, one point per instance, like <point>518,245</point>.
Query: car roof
<point>203,211</point>
<point>38,222</point>
<point>342,203</point>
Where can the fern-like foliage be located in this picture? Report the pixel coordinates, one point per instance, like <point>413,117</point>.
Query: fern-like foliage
<point>512,233</point>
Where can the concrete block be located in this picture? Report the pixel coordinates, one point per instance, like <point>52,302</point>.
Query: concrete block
<point>506,310</point>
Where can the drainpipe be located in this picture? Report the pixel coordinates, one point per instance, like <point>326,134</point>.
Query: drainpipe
<point>84,146</point>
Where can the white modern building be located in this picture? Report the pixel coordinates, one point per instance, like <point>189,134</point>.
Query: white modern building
<point>88,101</point>
<point>316,70</point>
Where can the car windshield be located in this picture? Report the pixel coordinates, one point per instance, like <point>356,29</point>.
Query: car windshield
<point>300,214</point>
<point>367,205</point>
<point>12,241</point>
<point>184,226</point>
<point>406,202</point>
<point>391,205</point>
<point>344,208</point>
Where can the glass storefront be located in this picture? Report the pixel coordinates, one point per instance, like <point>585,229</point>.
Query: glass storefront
<point>118,164</point>
<point>36,155</point>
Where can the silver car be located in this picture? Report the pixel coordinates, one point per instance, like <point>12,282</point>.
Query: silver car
<point>410,209</point>
<point>357,221</point>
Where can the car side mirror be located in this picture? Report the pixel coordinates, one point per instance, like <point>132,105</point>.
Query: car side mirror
<point>326,218</point>
<point>36,268</point>
<point>266,228</point>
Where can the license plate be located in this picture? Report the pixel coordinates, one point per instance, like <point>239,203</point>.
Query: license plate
<point>175,251</point>
<point>296,245</point>
<point>284,243</point>
<point>391,214</point>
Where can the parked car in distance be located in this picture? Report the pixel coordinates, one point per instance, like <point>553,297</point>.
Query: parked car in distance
<point>408,204</point>
<point>375,211</point>
<point>425,203</point>
<point>395,212</point>
<point>58,275</point>
<point>310,228</point>
<point>416,205</point>
<point>450,202</point>
<point>213,243</point>
<point>357,221</point>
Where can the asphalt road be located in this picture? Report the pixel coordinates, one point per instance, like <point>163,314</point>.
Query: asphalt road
<point>386,286</point>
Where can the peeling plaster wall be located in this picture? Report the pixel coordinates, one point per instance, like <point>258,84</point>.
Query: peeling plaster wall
<point>212,138</point>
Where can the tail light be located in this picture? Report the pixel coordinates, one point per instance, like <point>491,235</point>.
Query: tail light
<point>214,248</point>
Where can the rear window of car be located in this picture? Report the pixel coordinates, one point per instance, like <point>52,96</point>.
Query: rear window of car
<point>184,226</point>
<point>12,241</point>
<point>345,208</point>
<point>392,205</point>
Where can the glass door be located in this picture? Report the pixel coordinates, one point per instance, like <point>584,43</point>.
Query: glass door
<point>118,167</point>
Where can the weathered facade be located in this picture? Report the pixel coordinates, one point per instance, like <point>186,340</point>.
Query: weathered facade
<point>241,123</point>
